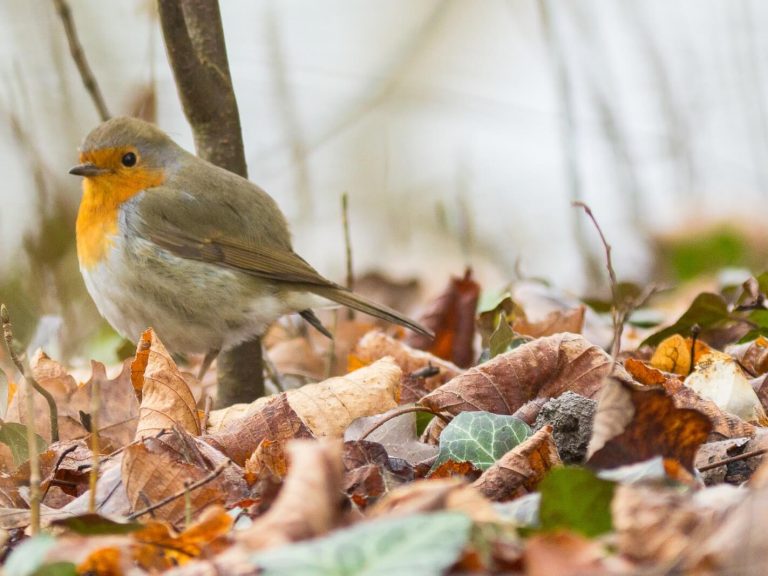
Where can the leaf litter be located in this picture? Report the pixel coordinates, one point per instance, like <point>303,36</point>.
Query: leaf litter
<point>331,476</point>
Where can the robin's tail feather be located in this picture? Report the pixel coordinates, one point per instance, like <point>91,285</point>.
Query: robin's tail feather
<point>357,302</point>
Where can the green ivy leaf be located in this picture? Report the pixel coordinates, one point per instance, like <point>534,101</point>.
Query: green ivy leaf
<point>423,544</point>
<point>573,498</point>
<point>480,438</point>
<point>28,557</point>
<point>14,435</point>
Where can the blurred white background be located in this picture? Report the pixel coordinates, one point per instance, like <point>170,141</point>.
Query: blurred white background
<point>460,129</point>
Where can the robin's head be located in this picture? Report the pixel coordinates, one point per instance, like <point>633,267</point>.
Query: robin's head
<point>127,152</point>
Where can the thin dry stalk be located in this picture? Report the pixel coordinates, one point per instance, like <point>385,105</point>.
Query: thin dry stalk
<point>618,324</point>
<point>93,476</point>
<point>78,55</point>
<point>8,335</point>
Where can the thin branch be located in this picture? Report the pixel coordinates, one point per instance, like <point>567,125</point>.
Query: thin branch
<point>618,323</point>
<point>347,246</point>
<point>215,473</point>
<point>93,476</point>
<point>78,55</point>
<point>400,412</point>
<point>8,335</point>
<point>34,463</point>
<point>737,458</point>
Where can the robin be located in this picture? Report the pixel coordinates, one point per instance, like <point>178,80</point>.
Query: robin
<point>168,240</point>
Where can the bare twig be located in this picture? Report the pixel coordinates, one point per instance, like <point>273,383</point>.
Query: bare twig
<point>8,335</point>
<point>400,412</point>
<point>737,458</point>
<point>347,247</point>
<point>34,463</point>
<point>93,476</point>
<point>78,55</point>
<point>188,488</point>
<point>618,324</point>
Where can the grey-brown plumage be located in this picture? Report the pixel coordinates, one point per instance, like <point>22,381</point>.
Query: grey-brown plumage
<point>204,256</point>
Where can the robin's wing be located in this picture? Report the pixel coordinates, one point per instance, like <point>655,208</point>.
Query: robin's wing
<point>229,229</point>
<point>224,228</point>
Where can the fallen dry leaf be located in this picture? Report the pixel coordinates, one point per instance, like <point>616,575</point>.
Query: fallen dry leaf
<point>319,410</point>
<point>634,423</point>
<point>752,356</point>
<point>269,458</point>
<point>546,368</point>
<point>308,504</point>
<point>156,468</point>
<point>451,316</point>
<point>520,470</point>
<point>166,400</point>
<point>554,322</point>
<point>725,425</point>
<point>158,547</point>
<point>720,379</point>
<point>568,554</point>
<point>376,345</point>
<point>117,417</point>
<point>434,495</point>
<point>369,472</point>
<point>673,354</point>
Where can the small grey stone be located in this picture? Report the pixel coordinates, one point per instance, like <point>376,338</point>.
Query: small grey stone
<point>571,418</point>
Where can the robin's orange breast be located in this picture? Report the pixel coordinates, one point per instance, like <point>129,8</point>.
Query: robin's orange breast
<point>97,218</point>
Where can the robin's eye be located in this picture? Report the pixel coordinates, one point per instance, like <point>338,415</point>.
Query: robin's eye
<point>129,159</point>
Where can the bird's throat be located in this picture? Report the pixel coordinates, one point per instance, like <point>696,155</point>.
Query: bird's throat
<point>97,219</point>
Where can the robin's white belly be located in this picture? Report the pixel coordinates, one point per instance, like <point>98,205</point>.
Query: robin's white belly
<point>192,306</point>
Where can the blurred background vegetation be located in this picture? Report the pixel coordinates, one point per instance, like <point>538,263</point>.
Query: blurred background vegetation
<point>460,130</point>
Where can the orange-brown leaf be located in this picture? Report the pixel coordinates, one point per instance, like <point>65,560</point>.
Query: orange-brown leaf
<point>520,470</point>
<point>451,316</point>
<point>635,423</point>
<point>166,400</point>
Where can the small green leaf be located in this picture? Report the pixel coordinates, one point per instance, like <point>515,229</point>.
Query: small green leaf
<point>573,498</point>
<point>29,556</point>
<point>707,310</point>
<point>480,438</point>
<point>419,545</point>
<point>96,525</point>
<point>57,569</point>
<point>502,336</point>
<point>422,421</point>
<point>14,435</point>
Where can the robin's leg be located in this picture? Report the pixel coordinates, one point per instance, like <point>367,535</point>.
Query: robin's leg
<point>210,356</point>
<point>314,321</point>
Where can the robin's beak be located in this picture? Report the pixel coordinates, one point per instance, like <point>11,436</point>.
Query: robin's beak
<point>87,169</point>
